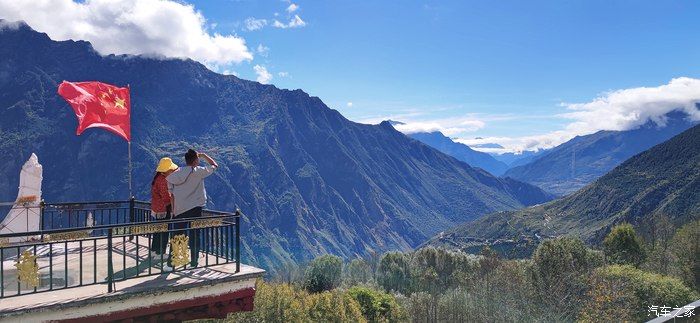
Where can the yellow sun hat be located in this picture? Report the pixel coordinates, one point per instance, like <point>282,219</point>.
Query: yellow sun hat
<point>165,164</point>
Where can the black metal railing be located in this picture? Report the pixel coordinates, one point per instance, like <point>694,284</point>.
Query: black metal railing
<point>91,243</point>
<point>76,215</point>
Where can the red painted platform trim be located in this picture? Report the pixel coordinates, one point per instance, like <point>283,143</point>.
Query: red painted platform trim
<point>218,306</point>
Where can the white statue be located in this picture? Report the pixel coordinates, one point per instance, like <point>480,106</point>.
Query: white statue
<point>89,222</point>
<point>25,213</point>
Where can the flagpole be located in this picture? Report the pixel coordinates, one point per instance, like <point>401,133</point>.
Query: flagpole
<point>131,193</point>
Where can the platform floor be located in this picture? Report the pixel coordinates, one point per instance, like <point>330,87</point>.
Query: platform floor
<point>76,297</point>
<point>126,264</point>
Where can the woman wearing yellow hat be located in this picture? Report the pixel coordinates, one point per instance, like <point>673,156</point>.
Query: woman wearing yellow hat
<point>161,205</point>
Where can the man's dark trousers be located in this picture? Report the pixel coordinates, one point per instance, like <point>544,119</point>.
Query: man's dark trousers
<point>193,234</point>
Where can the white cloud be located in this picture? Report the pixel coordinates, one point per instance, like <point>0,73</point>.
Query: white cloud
<point>349,104</point>
<point>616,110</point>
<point>292,7</point>
<point>150,27</point>
<point>283,74</point>
<point>262,50</point>
<point>13,25</point>
<point>264,76</point>
<point>631,108</point>
<point>295,22</point>
<point>519,144</point>
<point>252,23</point>
<point>448,127</point>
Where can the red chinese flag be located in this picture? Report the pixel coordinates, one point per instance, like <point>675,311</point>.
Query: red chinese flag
<point>99,105</point>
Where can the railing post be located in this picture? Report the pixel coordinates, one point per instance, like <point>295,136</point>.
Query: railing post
<point>42,204</point>
<point>238,240</point>
<point>110,269</point>
<point>131,215</point>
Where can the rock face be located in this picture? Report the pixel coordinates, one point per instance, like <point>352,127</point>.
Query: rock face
<point>308,180</point>
<point>580,161</point>
<point>662,181</point>
<point>461,151</point>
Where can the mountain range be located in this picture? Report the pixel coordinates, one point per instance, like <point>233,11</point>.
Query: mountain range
<point>581,160</point>
<point>518,159</point>
<point>308,180</point>
<point>662,181</point>
<point>461,151</point>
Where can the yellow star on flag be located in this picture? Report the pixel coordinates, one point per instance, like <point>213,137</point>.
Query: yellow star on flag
<point>119,103</point>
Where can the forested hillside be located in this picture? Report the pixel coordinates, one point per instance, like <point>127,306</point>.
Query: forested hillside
<point>662,182</point>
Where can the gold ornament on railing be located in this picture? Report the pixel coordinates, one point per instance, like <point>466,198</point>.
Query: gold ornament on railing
<point>149,228</point>
<point>179,245</point>
<point>67,236</point>
<point>198,224</point>
<point>27,269</point>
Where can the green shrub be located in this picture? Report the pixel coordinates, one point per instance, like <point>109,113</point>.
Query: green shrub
<point>275,303</point>
<point>323,274</point>
<point>419,307</point>
<point>333,306</point>
<point>685,247</point>
<point>357,272</point>
<point>659,232</point>
<point>377,306</point>
<point>456,305</point>
<point>560,270</point>
<point>394,272</point>
<point>436,270</point>
<point>623,247</point>
<point>625,292</point>
<point>607,298</point>
<point>286,303</point>
<point>489,261</point>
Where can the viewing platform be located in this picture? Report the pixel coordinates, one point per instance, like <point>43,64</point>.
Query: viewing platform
<point>90,262</point>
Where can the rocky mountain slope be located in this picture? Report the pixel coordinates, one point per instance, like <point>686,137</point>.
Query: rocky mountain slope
<point>308,180</point>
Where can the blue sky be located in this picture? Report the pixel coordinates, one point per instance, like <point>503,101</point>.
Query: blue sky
<point>503,70</point>
<point>455,58</point>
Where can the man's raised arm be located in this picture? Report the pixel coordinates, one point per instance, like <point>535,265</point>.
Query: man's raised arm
<point>208,159</point>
